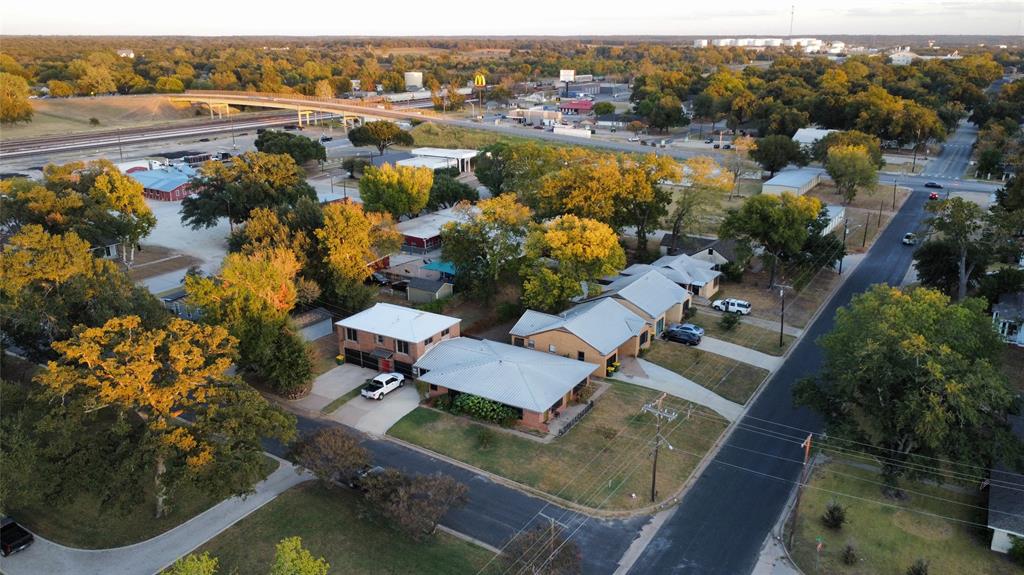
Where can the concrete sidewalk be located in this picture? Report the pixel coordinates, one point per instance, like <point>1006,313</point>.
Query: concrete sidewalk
<point>740,353</point>
<point>672,383</point>
<point>156,554</point>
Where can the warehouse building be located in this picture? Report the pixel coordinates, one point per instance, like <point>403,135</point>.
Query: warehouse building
<point>797,182</point>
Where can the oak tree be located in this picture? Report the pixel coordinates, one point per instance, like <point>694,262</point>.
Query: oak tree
<point>398,190</point>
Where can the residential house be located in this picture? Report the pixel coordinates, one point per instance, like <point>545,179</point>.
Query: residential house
<point>1006,499</point>
<point>650,295</point>
<point>390,337</point>
<point>534,384</point>
<point>600,331</point>
<point>697,276</point>
<point>718,252</point>
<point>1008,317</point>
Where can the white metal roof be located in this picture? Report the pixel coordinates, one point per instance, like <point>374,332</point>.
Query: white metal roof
<point>650,291</point>
<point>429,225</point>
<point>807,136</point>
<point>454,154</point>
<point>515,376</point>
<point>429,162</point>
<point>794,178</point>
<point>399,322</point>
<point>687,268</point>
<point>605,324</point>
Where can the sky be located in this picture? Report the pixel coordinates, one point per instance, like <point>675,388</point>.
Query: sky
<point>495,17</point>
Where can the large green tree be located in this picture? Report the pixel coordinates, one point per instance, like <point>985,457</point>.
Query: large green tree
<point>910,377</point>
<point>961,223</point>
<point>487,247</point>
<point>850,167</point>
<point>776,152</point>
<point>380,134</point>
<point>299,147</point>
<point>703,186</point>
<point>446,191</point>
<point>398,190</point>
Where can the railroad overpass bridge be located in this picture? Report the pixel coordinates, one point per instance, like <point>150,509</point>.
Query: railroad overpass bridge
<point>353,112</point>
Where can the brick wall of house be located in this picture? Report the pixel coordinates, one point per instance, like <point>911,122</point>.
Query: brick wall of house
<point>367,342</point>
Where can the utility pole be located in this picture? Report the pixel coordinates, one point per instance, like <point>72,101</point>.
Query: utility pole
<point>792,13</point>
<point>782,316</point>
<point>120,151</point>
<point>656,409</point>
<point>800,486</point>
<point>846,230</point>
<point>864,242</point>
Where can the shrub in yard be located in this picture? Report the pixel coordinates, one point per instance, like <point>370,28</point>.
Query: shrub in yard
<point>729,321</point>
<point>485,438</point>
<point>94,121</point>
<point>834,515</point>
<point>1016,551</point>
<point>920,567</point>
<point>849,555</point>
<point>690,313</point>
<point>443,402</point>
<point>733,272</point>
<point>605,432</point>
<point>483,409</point>
<point>422,388</point>
<point>508,311</point>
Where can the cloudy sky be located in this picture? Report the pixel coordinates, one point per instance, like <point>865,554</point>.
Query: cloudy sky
<point>490,17</point>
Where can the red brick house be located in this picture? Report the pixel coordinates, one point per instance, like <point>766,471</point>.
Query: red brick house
<point>390,337</point>
<point>168,183</point>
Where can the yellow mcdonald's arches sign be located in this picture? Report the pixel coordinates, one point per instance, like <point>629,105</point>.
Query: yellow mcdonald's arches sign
<point>479,80</point>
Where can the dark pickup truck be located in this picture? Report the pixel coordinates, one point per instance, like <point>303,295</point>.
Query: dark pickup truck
<point>13,537</point>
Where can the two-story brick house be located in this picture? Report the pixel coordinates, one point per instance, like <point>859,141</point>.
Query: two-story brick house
<point>390,337</point>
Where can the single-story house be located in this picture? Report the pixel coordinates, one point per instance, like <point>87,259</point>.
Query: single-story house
<point>806,137</point>
<point>1006,499</point>
<point>167,183</point>
<point>390,337</point>
<point>576,107</point>
<point>532,383</point>
<point>797,182</point>
<point>715,251</point>
<point>599,331</point>
<point>1008,318</point>
<point>650,295</point>
<point>461,159</point>
<point>423,233</point>
<point>697,277</point>
<point>423,290</point>
<point>314,323</point>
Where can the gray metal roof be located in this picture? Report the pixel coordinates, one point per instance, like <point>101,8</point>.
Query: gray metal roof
<point>515,376</point>
<point>650,291</point>
<point>795,178</point>
<point>1006,493</point>
<point>1010,305</point>
<point>604,324</point>
<point>424,284</point>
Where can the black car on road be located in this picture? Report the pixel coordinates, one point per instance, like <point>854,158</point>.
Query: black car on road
<point>681,336</point>
<point>935,185</point>
<point>13,537</point>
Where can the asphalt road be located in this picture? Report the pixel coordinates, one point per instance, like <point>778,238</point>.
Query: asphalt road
<point>496,512</point>
<point>956,153</point>
<point>723,521</point>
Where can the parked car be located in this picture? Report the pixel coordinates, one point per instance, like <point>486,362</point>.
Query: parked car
<point>933,196</point>
<point>731,305</point>
<point>690,327</point>
<point>717,146</point>
<point>634,139</point>
<point>377,278</point>
<point>909,239</point>
<point>13,537</point>
<point>382,385</point>
<point>726,146</point>
<point>681,336</point>
<point>709,141</point>
<point>326,138</point>
<point>357,480</point>
<point>935,185</point>
<point>204,139</point>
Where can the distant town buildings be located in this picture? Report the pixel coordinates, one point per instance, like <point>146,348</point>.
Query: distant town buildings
<point>808,45</point>
<point>413,80</point>
<point>126,53</point>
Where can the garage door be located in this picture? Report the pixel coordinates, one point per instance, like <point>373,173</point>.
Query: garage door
<point>403,368</point>
<point>356,357</point>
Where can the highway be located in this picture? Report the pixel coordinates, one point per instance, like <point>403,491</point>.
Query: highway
<point>722,522</point>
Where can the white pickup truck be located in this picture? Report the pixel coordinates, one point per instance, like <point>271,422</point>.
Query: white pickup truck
<point>732,306</point>
<point>382,385</point>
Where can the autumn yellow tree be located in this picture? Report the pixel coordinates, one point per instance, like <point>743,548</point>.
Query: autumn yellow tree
<point>701,191</point>
<point>398,190</point>
<point>565,257</point>
<point>588,186</point>
<point>348,242</point>
<point>643,199</point>
<point>144,380</point>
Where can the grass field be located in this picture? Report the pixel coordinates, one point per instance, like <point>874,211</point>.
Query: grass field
<point>889,535</point>
<point>444,136</point>
<point>87,523</point>
<point>336,525</point>
<point>751,336</point>
<point>733,380</point>
<point>69,115</point>
<point>600,463</point>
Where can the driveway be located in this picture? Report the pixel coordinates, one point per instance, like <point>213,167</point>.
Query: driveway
<point>376,417</point>
<point>154,555</point>
<point>672,383</point>
<point>332,385</point>
<point>740,353</point>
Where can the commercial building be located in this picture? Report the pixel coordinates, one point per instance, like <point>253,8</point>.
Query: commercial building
<point>534,384</point>
<point>797,182</point>
<point>700,43</point>
<point>390,337</point>
<point>576,107</point>
<point>807,137</point>
<point>167,183</point>
<point>460,158</point>
<point>600,331</point>
<point>536,115</point>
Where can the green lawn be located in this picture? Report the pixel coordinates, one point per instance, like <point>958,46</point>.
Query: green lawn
<point>890,535</point>
<point>445,136</point>
<point>336,525</point>
<point>330,407</point>
<point>599,463</point>
<point>85,523</point>
<point>733,380</point>
<point>750,336</point>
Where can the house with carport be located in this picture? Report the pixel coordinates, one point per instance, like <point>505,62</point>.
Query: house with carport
<point>600,331</point>
<point>535,384</point>
<point>650,295</point>
<point>390,337</point>
<point>697,276</point>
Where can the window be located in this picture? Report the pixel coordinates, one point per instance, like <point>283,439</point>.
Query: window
<point>660,326</point>
<point>445,332</point>
<point>530,344</point>
<point>433,387</point>
<point>402,346</point>
<point>582,356</point>
<point>380,339</point>
<point>518,342</point>
<point>428,341</point>
<point>351,334</point>
<point>552,348</point>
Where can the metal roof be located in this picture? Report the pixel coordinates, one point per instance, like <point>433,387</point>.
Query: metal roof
<point>165,179</point>
<point>515,376</point>
<point>683,267</point>
<point>604,324</point>
<point>429,162</point>
<point>454,153</point>
<point>651,291</point>
<point>424,284</point>
<point>795,178</point>
<point>399,322</point>
<point>429,225</point>
<point>1006,495</point>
